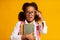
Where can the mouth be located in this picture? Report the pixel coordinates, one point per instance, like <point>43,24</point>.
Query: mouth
<point>30,17</point>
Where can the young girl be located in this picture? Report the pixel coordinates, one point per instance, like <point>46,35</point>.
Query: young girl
<point>31,16</point>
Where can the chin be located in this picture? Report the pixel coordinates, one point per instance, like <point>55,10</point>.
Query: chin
<point>30,20</point>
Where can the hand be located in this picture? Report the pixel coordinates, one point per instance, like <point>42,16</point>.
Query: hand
<point>23,37</point>
<point>28,36</point>
<point>31,37</point>
<point>38,13</point>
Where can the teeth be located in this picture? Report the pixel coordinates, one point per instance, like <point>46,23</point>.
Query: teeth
<point>30,17</point>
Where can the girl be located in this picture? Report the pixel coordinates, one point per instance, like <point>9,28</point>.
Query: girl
<point>30,15</point>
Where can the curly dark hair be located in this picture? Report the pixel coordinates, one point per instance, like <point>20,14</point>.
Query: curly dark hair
<point>21,15</point>
<point>29,4</point>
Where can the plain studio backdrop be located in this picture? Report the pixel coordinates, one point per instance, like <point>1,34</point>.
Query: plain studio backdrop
<point>9,10</point>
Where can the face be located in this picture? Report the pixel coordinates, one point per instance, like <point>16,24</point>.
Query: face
<point>30,13</point>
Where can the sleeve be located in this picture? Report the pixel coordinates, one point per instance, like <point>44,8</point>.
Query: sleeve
<point>15,35</point>
<point>44,29</point>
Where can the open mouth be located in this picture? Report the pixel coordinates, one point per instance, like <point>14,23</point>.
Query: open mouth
<point>30,17</point>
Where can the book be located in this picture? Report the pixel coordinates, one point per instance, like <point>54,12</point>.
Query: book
<point>28,28</point>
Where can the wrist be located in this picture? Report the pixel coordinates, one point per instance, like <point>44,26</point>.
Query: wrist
<point>42,19</point>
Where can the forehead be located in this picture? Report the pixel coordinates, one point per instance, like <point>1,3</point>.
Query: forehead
<point>30,8</point>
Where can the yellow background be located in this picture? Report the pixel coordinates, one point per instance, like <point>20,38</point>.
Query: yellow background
<point>9,10</point>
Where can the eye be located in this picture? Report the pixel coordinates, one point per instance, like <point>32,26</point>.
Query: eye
<point>27,12</point>
<point>31,11</point>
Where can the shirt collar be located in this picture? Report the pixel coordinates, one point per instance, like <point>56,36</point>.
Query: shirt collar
<point>33,22</point>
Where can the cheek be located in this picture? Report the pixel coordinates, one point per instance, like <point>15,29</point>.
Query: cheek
<point>26,15</point>
<point>33,15</point>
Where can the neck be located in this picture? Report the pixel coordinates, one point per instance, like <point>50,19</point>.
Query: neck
<point>29,21</point>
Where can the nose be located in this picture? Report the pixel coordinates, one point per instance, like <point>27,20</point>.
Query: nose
<point>29,12</point>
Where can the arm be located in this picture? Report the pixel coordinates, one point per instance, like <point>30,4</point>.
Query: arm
<point>43,28</point>
<point>15,35</point>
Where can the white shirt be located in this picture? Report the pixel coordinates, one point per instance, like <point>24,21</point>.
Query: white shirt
<point>15,35</point>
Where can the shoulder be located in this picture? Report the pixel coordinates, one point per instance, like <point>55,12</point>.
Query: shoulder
<point>19,22</point>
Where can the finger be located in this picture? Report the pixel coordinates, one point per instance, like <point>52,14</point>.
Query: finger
<point>40,12</point>
<point>33,37</point>
<point>32,33</point>
<point>23,37</point>
<point>35,13</point>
